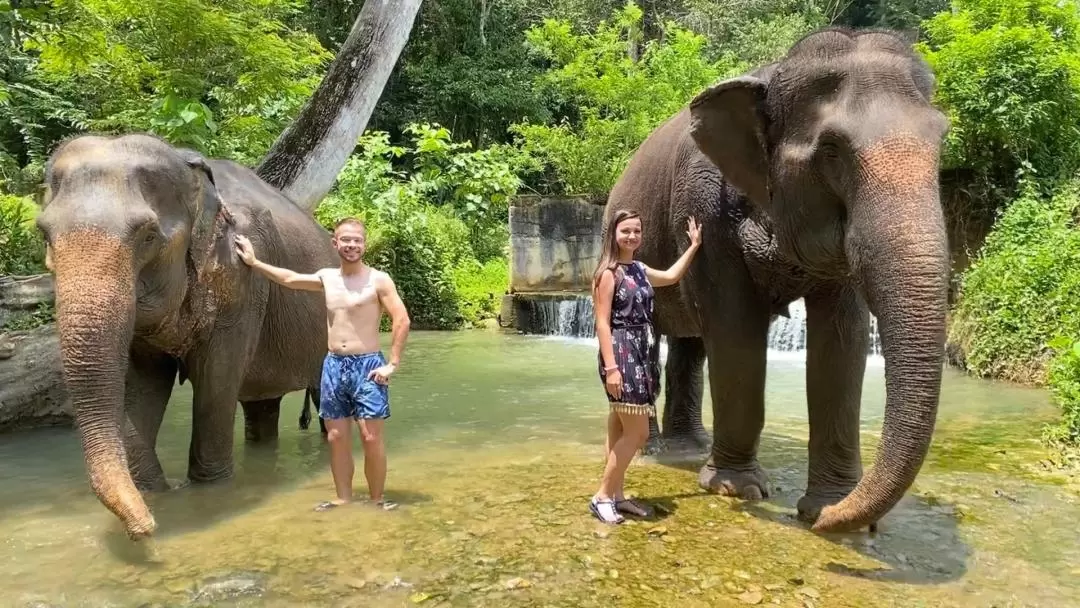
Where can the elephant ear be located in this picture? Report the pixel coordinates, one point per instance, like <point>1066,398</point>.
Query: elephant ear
<point>728,124</point>
<point>211,221</point>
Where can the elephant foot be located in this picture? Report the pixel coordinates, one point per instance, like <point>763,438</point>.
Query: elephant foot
<point>814,502</point>
<point>750,483</point>
<point>209,474</point>
<point>178,484</point>
<point>697,442</point>
<point>152,484</point>
<point>655,445</point>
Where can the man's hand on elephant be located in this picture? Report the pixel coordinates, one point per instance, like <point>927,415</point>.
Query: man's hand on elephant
<point>382,374</point>
<point>694,231</point>
<point>245,250</point>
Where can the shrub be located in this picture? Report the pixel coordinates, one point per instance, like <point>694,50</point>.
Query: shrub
<point>1008,74</point>
<point>22,250</point>
<point>1018,314</point>
<point>1064,380</point>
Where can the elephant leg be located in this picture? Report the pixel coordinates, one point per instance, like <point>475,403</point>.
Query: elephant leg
<point>261,419</point>
<point>311,397</point>
<point>735,332</point>
<point>684,385</point>
<point>655,444</point>
<point>305,411</point>
<point>147,388</point>
<point>838,339</point>
<point>216,376</point>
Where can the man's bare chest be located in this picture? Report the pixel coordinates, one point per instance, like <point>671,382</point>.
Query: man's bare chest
<point>354,294</point>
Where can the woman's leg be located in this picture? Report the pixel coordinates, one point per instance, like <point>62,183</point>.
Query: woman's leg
<point>614,432</point>
<point>635,432</point>
<point>623,505</point>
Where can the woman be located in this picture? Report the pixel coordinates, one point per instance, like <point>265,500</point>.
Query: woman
<point>629,352</point>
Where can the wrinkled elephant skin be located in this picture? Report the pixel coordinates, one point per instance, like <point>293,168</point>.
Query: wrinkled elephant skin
<point>149,291</point>
<point>814,177</point>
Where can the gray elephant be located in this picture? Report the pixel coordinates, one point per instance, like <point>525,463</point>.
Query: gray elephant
<point>148,289</point>
<point>815,177</point>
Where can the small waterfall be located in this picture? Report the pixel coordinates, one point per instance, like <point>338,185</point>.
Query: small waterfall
<point>573,317</point>
<point>789,334</point>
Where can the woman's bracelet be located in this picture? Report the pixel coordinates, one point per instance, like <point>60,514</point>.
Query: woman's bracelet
<point>611,368</point>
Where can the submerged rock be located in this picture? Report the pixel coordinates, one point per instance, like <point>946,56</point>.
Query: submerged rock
<point>229,586</point>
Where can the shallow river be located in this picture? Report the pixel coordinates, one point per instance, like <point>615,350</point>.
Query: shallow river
<point>494,449</point>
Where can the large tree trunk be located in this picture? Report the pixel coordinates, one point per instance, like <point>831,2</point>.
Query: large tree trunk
<point>306,159</point>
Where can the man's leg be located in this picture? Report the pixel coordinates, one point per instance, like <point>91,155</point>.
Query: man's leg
<point>373,409</point>
<point>371,432</point>
<point>339,432</point>
<point>336,409</point>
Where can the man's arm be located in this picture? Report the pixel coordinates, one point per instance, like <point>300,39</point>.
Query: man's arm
<point>281,276</point>
<point>399,316</point>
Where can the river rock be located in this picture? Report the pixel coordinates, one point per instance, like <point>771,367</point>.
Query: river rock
<point>220,588</point>
<point>32,391</point>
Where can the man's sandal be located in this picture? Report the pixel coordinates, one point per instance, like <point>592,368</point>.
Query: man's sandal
<point>605,511</point>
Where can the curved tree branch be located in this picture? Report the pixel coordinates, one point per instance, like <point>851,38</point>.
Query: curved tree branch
<point>306,158</point>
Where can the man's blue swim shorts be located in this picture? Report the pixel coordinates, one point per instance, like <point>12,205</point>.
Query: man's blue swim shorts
<point>347,392</point>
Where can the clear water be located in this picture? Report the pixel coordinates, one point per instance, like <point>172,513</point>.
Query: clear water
<point>494,448</point>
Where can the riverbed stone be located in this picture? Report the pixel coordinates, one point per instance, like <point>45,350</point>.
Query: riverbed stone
<point>230,586</point>
<point>32,391</point>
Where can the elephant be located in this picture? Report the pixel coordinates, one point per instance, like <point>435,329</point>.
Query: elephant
<point>813,177</point>
<point>149,290</point>
<point>311,396</point>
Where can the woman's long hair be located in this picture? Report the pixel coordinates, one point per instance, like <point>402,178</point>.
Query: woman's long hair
<point>609,251</point>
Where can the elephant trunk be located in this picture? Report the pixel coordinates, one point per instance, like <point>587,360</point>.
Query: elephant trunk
<point>897,245</point>
<point>95,306</point>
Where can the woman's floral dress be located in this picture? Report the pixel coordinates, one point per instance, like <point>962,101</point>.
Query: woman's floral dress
<point>637,352</point>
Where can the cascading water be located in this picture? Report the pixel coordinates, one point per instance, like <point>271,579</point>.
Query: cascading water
<point>570,317</point>
<point>573,318</point>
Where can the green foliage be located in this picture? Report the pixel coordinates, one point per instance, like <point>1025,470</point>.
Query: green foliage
<point>480,287</point>
<point>1064,380</point>
<point>754,32</point>
<point>465,66</point>
<point>438,228</point>
<point>222,76</point>
<point>1009,76</point>
<point>22,250</point>
<point>25,320</point>
<point>1020,299</point>
<point>620,98</point>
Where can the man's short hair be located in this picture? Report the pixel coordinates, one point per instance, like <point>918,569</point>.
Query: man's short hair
<point>351,220</point>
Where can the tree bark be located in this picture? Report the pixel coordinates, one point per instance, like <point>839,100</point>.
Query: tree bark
<point>305,160</point>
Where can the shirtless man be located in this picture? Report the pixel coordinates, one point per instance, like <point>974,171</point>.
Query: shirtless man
<point>355,375</point>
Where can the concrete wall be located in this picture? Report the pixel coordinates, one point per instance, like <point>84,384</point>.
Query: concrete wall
<point>555,243</point>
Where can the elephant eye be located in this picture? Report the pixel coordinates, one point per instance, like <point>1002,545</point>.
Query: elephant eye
<point>150,237</point>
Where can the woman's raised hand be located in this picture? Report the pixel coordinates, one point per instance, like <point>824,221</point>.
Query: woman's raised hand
<point>694,231</point>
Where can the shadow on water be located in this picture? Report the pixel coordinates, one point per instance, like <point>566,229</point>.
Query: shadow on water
<point>918,540</point>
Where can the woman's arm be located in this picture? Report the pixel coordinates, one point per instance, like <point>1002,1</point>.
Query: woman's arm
<point>663,278</point>
<point>602,311</point>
